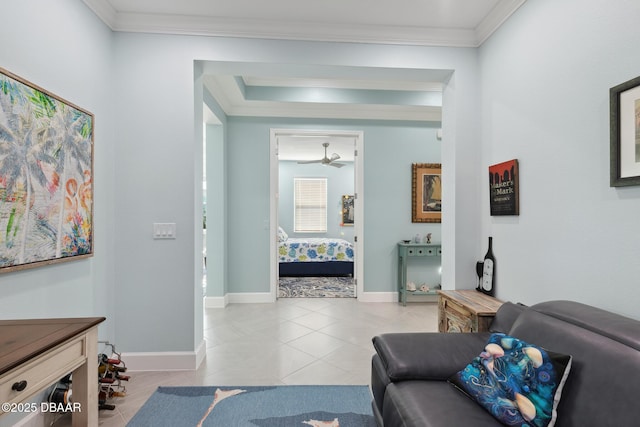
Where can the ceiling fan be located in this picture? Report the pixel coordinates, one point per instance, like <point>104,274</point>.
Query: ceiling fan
<point>325,160</point>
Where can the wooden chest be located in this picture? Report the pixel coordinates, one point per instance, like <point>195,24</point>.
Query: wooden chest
<point>465,311</point>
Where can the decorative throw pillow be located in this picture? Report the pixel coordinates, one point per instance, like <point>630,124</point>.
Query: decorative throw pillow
<point>518,383</point>
<point>282,236</point>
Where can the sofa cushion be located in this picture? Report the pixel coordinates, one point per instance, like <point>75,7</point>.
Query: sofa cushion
<point>431,404</point>
<point>426,356</point>
<point>517,382</point>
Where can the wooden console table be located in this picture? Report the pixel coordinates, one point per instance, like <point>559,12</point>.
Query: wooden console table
<point>36,353</point>
<point>466,311</point>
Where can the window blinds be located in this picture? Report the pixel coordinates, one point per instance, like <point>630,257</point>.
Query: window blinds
<point>310,205</point>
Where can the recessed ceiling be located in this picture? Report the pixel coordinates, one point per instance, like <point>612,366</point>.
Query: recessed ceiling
<point>327,97</point>
<point>315,93</point>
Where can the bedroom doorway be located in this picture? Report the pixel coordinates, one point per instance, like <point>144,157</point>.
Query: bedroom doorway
<point>316,241</point>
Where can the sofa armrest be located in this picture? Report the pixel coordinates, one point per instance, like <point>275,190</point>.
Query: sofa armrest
<point>427,355</point>
<point>506,316</point>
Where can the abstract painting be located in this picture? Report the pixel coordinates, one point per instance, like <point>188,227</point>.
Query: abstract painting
<point>46,174</point>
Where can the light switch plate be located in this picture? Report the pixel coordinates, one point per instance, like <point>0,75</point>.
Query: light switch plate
<point>164,230</point>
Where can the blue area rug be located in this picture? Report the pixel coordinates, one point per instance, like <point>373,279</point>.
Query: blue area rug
<point>270,406</point>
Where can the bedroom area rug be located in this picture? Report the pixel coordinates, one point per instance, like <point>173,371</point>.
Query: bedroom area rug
<point>265,406</point>
<point>316,287</point>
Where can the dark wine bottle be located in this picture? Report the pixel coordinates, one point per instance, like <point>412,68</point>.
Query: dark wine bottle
<point>488,272</point>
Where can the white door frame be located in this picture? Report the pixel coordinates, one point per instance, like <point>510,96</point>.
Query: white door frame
<point>358,218</point>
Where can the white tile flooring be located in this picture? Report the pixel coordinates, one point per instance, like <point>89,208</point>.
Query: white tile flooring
<point>292,341</point>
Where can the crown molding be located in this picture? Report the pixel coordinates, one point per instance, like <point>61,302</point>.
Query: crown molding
<point>305,31</point>
<point>494,20</point>
<point>104,11</point>
<point>281,30</point>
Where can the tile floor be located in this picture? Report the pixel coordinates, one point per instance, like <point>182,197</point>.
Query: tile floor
<point>292,341</point>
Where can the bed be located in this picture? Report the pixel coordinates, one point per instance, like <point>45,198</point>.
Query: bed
<point>315,257</point>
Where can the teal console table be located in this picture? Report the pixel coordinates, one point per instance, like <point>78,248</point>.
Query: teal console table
<point>417,250</point>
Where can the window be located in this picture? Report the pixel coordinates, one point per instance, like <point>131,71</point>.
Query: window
<point>310,205</point>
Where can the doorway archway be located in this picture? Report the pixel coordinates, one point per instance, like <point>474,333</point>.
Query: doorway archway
<point>358,143</point>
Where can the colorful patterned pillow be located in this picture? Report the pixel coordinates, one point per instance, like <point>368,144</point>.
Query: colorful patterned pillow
<point>282,236</point>
<point>517,382</point>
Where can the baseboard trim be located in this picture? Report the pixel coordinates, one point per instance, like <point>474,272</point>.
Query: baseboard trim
<point>266,297</point>
<point>393,297</point>
<point>165,360</point>
<point>378,297</point>
<point>201,353</point>
<point>216,302</point>
<point>251,298</point>
<point>238,298</point>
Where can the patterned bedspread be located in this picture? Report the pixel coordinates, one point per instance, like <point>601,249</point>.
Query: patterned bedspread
<point>315,250</point>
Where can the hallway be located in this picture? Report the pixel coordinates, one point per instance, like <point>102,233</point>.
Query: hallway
<point>292,341</point>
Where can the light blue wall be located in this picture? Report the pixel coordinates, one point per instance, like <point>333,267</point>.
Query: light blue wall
<point>340,181</point>
<point>536,91</point>
<point>389,150</point>
<point>145,91</point>
<point>545,82</point>
<point>217,236</point>
<point>159,179</point>
<point>73,62</point>
<point>159,151</point>
<point>216,211</point>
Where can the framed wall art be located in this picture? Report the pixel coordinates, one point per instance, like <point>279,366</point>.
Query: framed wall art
<point>46,177</point>
<point>503,188</point>
<point>624,104</point>
<point>347,210</point>
<point>426,192</point>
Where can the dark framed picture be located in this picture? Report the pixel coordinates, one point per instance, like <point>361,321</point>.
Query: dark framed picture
<point>426,192</point>
<point>503,188</point>
<point>347,210</point>
<point>46,177</point>
<point>624,101</point>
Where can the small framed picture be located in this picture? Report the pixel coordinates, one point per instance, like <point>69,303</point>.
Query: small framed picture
<point>347,210</point>
<point>624,102</point>
<point>503,188</point>
<point>426,192</point>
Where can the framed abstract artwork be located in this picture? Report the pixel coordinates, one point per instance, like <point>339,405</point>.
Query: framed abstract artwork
<point>624,105</point>
<point>426,192</point>
<point>46,177</point>
<point>503,188</point>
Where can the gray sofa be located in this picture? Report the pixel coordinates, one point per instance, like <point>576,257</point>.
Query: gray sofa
<point>410,370</point>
